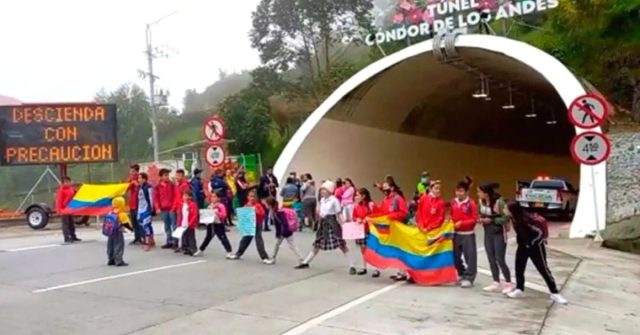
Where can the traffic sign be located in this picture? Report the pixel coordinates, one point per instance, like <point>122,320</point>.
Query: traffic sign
<point>588,111</point>
<point>590,148</point>
<point>213,129</point>
<point>215,155</point>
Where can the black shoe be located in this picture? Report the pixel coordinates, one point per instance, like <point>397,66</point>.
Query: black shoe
<point>352,271</point>
<point>111,263</point>
<point>411,281</point>
<point>375,274</point>
<point>75,239</point>
<point>398,277</point>
<point>178,250</point>
<point>135,242</point>
<point>122,264</point>
<point>68,241</point>
<point>301,266</point>
<point>166,246</point>
<point>362,272</point>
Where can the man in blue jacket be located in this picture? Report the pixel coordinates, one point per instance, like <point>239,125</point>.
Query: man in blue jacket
<point>197,189</point>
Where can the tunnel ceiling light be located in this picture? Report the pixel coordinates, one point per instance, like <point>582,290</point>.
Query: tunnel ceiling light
<point>553,120</point>
<point>488,92</point>
<point>479,94</point>
<point>510,105</point>
<point>532,113</point>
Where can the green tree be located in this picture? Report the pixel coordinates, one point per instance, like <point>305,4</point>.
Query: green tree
<point>134,126</point>
<point>246,116</point>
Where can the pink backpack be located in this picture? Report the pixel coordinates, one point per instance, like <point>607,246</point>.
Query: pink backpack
<point>292,218</point>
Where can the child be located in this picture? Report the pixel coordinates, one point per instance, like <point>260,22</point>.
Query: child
<point>217,227</point>
<point>299,209</point>
<point>329,234</point>
<point>112,228</point>
<point>394,206</point>
<point>531,233</point>
<point>145,210</point>
<point>285,221</point>
<point>431,209</point>
<point>252,201</point>
<point>363,208</point>
<point>464,214</point>
<point>188,218</point>
<point>492,208</point>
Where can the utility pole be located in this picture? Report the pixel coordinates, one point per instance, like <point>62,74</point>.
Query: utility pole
<point>151,54</point>
<point>152,95</point>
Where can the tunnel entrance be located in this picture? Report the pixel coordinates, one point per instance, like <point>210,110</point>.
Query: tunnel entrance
<point>489,115</point>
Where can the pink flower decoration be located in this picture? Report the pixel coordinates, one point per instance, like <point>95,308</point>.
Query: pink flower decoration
<point>406,5</point>
<point>489,4</point>
<point>415,16</point>
<point>398,18</point>
<point>427,17</point>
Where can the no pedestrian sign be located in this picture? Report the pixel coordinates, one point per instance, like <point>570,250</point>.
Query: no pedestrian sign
<point>215,155</point>
<point>590,148</point>
<point>588,111</point>
<point>213,129</point>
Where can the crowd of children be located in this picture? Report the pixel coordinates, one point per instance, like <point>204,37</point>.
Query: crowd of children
<point>338,202</point>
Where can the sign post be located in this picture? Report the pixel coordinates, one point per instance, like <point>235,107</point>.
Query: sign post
<point>214,129</point>
<point>590,148</point>
<point>215,155</point>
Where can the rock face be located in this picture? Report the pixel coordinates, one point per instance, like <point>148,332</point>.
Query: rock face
<point>623,236</point>
<point>623,177</point>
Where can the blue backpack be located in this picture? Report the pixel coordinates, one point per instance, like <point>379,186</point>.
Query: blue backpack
<point>110,225</point>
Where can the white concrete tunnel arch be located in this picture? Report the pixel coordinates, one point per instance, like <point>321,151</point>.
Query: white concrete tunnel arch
<point>559,76</point>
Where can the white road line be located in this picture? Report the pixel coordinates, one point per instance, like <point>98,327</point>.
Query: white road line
<point>45,246</point>
<point>300,329</point>
<point>122,275</point>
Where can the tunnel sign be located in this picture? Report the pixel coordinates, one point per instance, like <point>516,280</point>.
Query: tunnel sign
<point>213,129</point>
<point>590,148</point>
<point>588,111</point>
<point>215,155</point>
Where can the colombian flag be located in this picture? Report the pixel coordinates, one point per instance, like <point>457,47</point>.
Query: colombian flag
<point>95,199</point>
<point>427,258</point>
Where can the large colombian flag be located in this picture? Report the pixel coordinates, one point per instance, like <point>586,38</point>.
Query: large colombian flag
<point>94,199</point>
<point>427,258</point>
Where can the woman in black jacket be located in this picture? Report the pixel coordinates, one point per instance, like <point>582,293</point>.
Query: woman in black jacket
<point>531,233</point>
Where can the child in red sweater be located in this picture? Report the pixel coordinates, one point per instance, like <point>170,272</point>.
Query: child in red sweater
<point>464,213</point>
<point>431,209</point>
<point>188,218</point>
<point>363,208</point>
<point>246,240</point>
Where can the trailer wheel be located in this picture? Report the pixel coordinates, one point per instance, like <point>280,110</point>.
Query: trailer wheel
<point>37,218</point>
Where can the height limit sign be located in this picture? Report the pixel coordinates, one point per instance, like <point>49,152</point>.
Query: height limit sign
<point>588,111</point>
<point>590,148</point>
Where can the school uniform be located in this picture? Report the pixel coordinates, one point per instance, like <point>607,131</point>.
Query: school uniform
<point>282,220</point>
<point>246,240</point>
<point>112,227</point>
<point>165,203</point>
<point>63,197</point>
<point>329,234</point>
<point>188,218</point>
<point>360,212</point>
<point>431,212</point>
<point>531,234</point>
<point>217,228</point>
<point>145,209</point>
<point>464,241</point>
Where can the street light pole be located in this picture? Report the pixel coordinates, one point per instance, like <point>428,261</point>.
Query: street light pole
<point>152,95</point>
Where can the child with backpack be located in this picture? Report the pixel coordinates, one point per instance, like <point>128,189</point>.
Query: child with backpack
<point>217,227</point>
<point>112,227</point>
<point>286,222</point>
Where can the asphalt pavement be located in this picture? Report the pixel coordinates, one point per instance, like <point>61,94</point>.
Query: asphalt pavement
<point>49,288</point>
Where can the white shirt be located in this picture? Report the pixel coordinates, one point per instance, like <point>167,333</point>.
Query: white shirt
<point>329,206</point>
<point>185,215</point>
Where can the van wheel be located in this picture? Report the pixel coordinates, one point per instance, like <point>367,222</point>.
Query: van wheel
<point>37,218</point>
<point>567,215</point>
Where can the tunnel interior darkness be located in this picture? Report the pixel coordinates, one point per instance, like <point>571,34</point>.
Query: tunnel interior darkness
<point>423,97</point>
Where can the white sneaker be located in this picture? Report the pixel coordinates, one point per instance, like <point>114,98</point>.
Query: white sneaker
<point>466,284</point>
<point>506,288</point>
<point>232,256</point>
<point>559,299</point>
<point>494,287</point>
<point>268,261</point>
<point>516,294</point>
<point>198,253</point>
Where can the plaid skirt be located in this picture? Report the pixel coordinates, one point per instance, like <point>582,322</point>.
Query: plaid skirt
<point>329,234</point>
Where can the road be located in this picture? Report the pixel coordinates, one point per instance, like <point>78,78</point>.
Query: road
<point>48,288</point>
